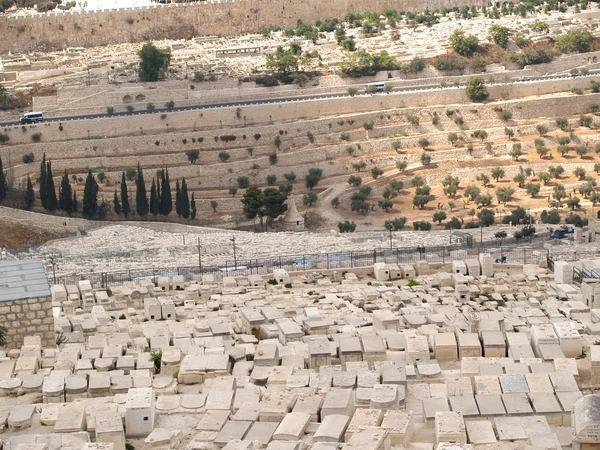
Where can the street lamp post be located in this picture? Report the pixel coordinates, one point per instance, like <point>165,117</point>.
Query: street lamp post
<point>200,256</point>
<point>234,254</point>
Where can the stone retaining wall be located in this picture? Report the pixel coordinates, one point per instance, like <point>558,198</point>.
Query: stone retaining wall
<point>28,317</point>
<point>56,31</point>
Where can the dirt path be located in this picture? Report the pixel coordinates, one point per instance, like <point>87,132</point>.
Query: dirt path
<point>328,212</point>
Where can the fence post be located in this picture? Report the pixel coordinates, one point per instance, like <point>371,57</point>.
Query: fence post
<point>327,261</point>
<point>524,256</point>
<point>280,262</point>
<point>374,256</point>
<point>351,259</point>
<point>443,255</point>
<point>304,262</point>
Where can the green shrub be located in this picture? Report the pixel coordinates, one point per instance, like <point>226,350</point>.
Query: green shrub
<point>346,227</point>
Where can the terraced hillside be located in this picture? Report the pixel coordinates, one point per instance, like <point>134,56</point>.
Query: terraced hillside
<point>278,145</point>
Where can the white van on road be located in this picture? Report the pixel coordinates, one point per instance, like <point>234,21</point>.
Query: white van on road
<point>32,117</point>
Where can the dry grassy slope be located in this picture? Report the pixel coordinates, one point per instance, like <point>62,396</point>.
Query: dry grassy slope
<point>211,179</point>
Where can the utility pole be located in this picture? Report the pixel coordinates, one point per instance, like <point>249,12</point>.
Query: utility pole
<point>200,256</point>
<point>53,261</point>
<point>234,254</point>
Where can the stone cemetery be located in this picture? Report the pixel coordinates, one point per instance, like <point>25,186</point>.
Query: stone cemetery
<point>466,355</point>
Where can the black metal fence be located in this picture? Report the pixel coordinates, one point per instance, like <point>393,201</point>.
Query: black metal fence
<point>308,262</point>
<point>579,274</point>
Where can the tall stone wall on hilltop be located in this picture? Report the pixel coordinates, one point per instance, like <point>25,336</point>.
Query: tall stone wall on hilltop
<point>57,31</point>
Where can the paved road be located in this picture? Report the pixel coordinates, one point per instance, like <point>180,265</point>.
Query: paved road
<point>429,87</point>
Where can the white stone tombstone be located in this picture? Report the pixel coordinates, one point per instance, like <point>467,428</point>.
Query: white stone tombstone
<point>381,272</point>
<point>139,412</point>
<point>563,272</point>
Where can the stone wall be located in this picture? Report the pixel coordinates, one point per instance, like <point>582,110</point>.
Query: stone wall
<point>28,317</point>
<point>55,31</point>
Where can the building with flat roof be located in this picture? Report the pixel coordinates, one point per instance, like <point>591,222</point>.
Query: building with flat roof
<point>25,302</point>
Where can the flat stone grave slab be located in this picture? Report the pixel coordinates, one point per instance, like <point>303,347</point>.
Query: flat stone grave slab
<point>292,427</point>
<point>193,401</point>
<point>332,428</point>
<point>248,412</point>
<point>160,437</point>
<point>517,404</point>
<point>434,405</point>
<point>311,405</point>
<point>219,399</point>
<point>510,429</point>
<point>245,396</point>
<point>480,432</point>
<point>20,416</point>
<point>539,382</point>
<point>337,401</point>
<point>363,418</point>
<point>213,420</point>
<point>487,385</point>
<point>513,384</point>
<point>233,429</point>
<point>490,405</point>
<point>464,404</point>
<point>516,368</point>
<point>398,424</point>
<point>166,403</point>
<point>491,370</point>
<point>368,379</point>
<point>544,403</point>
<point>568,399</point>
<point>262,432</point>
<point>70,419</point>
<point>563,382</point>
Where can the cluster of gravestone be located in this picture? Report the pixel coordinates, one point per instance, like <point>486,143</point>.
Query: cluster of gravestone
<point>445,356</point>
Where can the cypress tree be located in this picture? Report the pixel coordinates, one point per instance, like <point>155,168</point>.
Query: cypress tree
<point>177,199</point>
<point>43,196</point>
<point>166,201</point>
<point>3,184</point>
<point>51,200</point>
<point>185,200</point>
<point>116,204</point>
<point>154,207</point>
<point>66,194</point>
<point>90,197</point>
<point>158,183</point>
<point>193,207</point>
<point>141,199</point>
<point>124,196</point>
<point>29,194</point>
<point>75,202</point>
